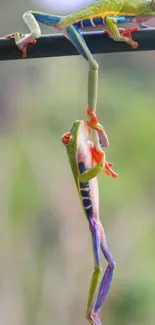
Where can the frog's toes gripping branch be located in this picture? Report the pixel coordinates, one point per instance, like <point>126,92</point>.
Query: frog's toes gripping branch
<point>93,124</point>
<point>22,41</point>
<point>120,34</point>
<point>124,35</point>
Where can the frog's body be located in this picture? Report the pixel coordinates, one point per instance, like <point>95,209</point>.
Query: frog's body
<point>87,162</point>
<point>88,193</point>
<point>103,9</point>
<point>99,22</point>
<point>80,163</point>
<point>94,23</point>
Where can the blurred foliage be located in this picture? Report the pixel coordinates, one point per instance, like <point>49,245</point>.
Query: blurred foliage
<point>45,246</point>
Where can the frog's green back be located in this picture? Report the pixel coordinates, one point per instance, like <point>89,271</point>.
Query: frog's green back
<point>110,8</point>
<point>72,150</point>
<point>137,8</point>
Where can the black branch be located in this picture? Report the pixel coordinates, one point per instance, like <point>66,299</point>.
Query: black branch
<point>56,45</point>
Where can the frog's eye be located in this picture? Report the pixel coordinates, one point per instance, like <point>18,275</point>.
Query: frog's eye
<point>67,138</point>
<point>153,4</point>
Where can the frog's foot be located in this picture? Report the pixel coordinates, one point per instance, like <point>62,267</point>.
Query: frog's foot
<point>22,41</point>
<point>125,35</point>
<point>127,32</point>
<point>98,155</point>
<point>108,170</point>
<point>15,36</point>
<point>94,318</point>
<point>93,123</point>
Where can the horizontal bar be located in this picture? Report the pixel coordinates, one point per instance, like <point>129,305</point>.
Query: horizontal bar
<point>56,45</point>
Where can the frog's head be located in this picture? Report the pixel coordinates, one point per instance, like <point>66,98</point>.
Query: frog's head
<point>78,134</point>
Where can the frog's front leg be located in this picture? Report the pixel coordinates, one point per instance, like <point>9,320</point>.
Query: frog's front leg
<point>117,34</point>
<point>31,18</point>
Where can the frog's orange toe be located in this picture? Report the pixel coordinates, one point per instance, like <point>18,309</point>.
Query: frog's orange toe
<point>97,155</point>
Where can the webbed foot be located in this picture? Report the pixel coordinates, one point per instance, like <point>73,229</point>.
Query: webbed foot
<point>127,33</point>
<point>22,41</point>
<point>109,171</point>
<point>94,318</point>
<point>125,36</point>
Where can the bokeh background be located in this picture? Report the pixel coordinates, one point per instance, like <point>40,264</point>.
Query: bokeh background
<point>46,258</point>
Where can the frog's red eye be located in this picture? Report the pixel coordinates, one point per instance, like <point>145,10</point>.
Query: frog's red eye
<point>67,138</point>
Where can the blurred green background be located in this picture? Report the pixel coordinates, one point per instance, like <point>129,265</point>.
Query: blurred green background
<point>46,259</point>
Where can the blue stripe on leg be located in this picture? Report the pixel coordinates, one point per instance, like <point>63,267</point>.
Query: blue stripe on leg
<point>73,38</point>
<point>107,278</point>
<point>46,19</point>
<point>95,232</point>
<point>123,19</point>
<point>104,288</point>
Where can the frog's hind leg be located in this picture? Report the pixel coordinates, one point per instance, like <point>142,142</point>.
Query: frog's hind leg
<point>77,39</point>
<point>107,277</point>
<point>95,281</point>
<point>94,309</point>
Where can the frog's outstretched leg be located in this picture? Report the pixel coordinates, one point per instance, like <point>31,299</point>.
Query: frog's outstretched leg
<point>98,241</point>
<point>77,39</point>
<point>95,234</point>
